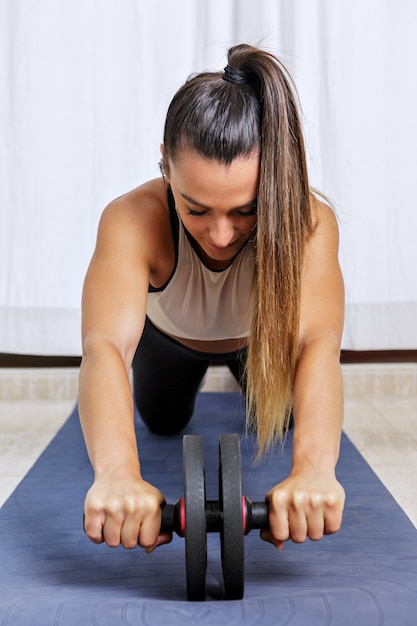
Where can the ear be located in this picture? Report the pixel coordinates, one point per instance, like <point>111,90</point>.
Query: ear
<point>163,163</point>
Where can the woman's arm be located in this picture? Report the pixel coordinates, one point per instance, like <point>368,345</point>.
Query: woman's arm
<point>120,506</point>
<point>309,503</point>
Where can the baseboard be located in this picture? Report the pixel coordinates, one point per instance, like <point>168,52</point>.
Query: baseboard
<point>346,357</point>
<point>62,383</point>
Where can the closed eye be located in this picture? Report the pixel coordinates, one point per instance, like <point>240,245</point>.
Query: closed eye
<point>195,213</point>
<point>250,213</point>
<point>240,210</point>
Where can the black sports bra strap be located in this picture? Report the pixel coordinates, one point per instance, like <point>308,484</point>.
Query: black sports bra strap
<point>175,225</point>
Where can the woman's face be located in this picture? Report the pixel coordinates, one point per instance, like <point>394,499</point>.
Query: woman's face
<point>216,202</point>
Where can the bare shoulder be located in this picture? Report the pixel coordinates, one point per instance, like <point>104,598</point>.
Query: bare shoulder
<point>130,252</point>
<point>322,290</point>
<point>137,222</point>
<point>326,229</point>
<point>321,272</point>
<point>144,205</point>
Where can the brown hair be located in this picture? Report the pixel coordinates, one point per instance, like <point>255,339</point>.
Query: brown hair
<point>223,120</point>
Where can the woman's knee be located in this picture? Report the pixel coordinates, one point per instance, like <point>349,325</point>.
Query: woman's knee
<point>164,420</point>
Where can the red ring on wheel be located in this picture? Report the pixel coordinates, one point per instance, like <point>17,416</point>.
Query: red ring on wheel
<point>182,517</point>
<point>244,515</point>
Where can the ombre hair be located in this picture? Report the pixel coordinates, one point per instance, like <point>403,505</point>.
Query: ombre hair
<point>223,120</point>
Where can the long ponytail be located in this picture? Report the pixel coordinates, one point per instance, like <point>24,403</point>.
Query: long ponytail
<point>223,117</point>
<point>284,220</point>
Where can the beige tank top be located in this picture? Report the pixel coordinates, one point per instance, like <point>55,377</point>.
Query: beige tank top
<point>203,304</point>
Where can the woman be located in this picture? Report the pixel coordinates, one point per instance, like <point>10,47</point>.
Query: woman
<point>228,256</point>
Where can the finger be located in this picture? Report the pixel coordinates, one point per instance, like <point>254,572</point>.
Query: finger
<point>279,528</point>
<point>93,528</point>
<point>150,530</point>
<point>129,533</point>
<point>297,516</point>
<point>266,536</point>
<point>333,511</point>
<point>112,530</point>
<point>298,526</point>
<point>162,539</point>
<point>315,524</point>
<point>333,522</point>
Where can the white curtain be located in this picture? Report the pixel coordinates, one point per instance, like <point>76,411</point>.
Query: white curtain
<point>84,89</point>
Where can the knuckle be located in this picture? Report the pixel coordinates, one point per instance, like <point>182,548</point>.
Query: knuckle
<point>132,504</point>
<point>331,499</point>
<point>115,507</point>
<point>94,506</point>
<point>279,499</point>
<point>300,499</point>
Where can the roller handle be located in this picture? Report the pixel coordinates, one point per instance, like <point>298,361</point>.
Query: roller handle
<point>255,516</point>
<point>172,518</point>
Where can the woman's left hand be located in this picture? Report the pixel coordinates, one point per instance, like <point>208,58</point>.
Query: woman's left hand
<point>309,503</point>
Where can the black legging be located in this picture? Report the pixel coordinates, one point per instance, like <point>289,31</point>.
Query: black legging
<point>167,376</point>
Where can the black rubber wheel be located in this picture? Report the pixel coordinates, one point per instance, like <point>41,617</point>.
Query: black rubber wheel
<point>195,517</point>
<point>231,534</point>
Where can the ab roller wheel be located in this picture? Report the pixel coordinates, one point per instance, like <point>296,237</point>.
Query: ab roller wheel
<point>195,517</point>
<point>233,516</point>
<point>231,531</point>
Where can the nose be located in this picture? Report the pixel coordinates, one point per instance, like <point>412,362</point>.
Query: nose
<point>221,233</point>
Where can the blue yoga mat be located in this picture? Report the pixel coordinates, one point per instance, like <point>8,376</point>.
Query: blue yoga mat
<point>52,575</point>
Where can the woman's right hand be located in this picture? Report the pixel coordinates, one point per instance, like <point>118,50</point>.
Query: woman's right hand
<point>124,509</point>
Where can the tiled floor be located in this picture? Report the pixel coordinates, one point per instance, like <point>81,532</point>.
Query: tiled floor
<point>380,419</point>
